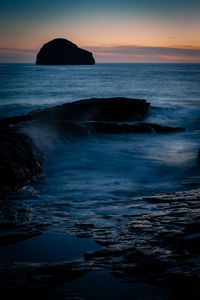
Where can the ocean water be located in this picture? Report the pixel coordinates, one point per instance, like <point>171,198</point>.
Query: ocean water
<point>105,166</point>
<point>93,188</point>
<point>101,175</point>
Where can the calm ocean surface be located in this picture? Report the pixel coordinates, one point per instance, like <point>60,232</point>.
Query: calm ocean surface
<point>108,169</point>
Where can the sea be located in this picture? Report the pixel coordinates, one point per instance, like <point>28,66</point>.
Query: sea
<point>111,165</point>
<point>98,179</point>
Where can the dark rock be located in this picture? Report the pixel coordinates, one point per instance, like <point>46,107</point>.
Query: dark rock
<point>83,129</point>
<point>98,109</point>
<point>95,109</point>
<point>162,129</point>
<point>18,222</point>
<point>24,280</point>
<point>63,52</point>
<point>160,247</point>
<point>19,162</point>
<point>114,128</point>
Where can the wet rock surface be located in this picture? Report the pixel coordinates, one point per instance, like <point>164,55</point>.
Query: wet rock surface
<point>36,280</point>
<point>18,222</point>
<point>63,52</point>
<point>161,247</point>
<point>155,240</point>
<point>95,109</point>
<point>114,128</point>
<point>20,163</point>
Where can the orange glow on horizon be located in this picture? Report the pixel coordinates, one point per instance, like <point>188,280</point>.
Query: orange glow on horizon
<point>182,58</point>
<point>112,32</point>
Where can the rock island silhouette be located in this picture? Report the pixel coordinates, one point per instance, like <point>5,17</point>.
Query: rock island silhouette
<point>63,52</point>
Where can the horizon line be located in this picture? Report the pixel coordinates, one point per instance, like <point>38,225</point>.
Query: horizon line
<point>116,54</point>
<point>99,63</point>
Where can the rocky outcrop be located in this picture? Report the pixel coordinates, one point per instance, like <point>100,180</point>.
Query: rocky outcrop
<point>158,245</point>
<point>95,109</point>
<point>19,159</point>
<point>20,164</point>
<point>63,52</point>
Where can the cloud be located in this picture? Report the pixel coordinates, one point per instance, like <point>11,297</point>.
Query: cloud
<point>181,58</point>
<point>134,53</point>
<point>18,51</point>
<point>122,53</point>
<point>13,55</point>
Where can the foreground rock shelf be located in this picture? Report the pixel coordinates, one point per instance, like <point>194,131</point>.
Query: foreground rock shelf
<point>159,247</point>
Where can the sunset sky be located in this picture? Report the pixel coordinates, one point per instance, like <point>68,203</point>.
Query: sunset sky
<point>114,30</point>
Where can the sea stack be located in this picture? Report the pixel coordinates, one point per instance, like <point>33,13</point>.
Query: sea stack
<point>63,52</point>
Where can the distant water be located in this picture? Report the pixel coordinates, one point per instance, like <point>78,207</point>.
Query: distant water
<point>106,168</point>
<point>24,87</point>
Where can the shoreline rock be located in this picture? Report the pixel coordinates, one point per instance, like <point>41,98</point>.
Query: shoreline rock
<point>20,163</point>
<point>159,247</point>
<point>95,109</point>
<point>114,128</point>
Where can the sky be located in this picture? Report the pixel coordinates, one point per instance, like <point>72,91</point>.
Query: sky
<point>113,30</point>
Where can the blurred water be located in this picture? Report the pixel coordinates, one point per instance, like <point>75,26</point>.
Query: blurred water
<point>93,187</point>
<point>98,169</point>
